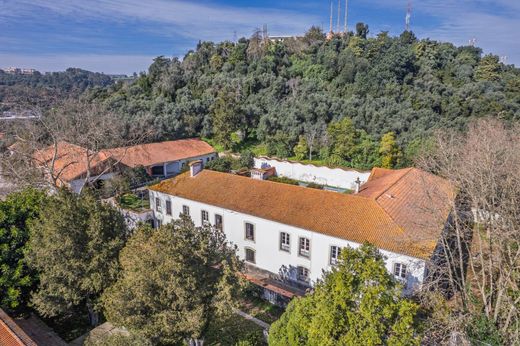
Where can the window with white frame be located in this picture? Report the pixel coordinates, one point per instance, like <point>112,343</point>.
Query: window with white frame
<point>400,270</point>
<point>285,241</point>
<point>250,231</point>
<point>250,255</point>
<point>168,207</point>
<point>218,221</point>
<point>305,247</point>
<point>303,274</point>
<point>186,210</point>
<point>335,251</point>
<point>204,217</point>
<point>158,204</point>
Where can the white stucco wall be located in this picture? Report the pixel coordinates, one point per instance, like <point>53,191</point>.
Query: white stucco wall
<point>267,241</point>
<point>335,177</point>
<point>77,184</point>
<point>174,167</point>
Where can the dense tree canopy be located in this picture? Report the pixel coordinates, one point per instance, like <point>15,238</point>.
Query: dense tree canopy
<point>16,279</point>
<point>74,246</point>
<point>174,281</point>
<point>357,303</point>
<point>272,93</point>
<point>44,90</point>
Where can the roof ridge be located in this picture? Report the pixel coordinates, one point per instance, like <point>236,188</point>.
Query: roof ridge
<point>344,195</point>
<point>409,169</point>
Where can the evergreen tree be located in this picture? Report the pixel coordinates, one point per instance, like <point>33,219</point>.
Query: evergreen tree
<point>226,117</point>
<point>300,150</point>
<point>16,278</point>
<point>175,280</point>
<point>357,303</point>
<point>74,247</point>
<point>389,151</point>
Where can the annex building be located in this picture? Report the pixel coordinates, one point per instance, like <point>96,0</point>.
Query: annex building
<point>288,235</point>
<point>70,163</point>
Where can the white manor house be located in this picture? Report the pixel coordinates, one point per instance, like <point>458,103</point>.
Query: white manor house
<point>288,235</point>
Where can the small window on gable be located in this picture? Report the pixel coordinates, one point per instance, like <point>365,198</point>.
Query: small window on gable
<point>250,231</point>
<point>168,207</point>
<point>250,255</point>
<point>285,241</point>
<point>400,270</point>
<point>186,210</point>
<point>305,247</point>
<point>303,274</point>
<point>204,217</point>
<point>335,251</point>
<point>158,204</point>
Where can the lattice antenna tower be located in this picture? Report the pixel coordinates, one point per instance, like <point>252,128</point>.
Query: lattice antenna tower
<point>408,16</point>
<point>346,17</point>
<point>339,17</point>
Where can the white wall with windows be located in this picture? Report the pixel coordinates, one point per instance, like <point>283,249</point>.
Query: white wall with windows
<point>297,254</point>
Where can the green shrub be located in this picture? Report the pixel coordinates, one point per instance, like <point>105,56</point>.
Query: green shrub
<point>283,180</point>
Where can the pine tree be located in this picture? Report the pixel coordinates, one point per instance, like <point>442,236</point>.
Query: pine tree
<point>74,247</point>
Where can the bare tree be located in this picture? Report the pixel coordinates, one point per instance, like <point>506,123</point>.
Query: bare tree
<point>81,131</point>
<point>314,134</point>
<point>481,260</point>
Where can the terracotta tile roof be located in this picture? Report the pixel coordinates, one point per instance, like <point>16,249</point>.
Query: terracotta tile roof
<point>156,153</point>
<point>419,202</point>
<point>357,218</point>
<point>11,334</point>
<point>71,159</point>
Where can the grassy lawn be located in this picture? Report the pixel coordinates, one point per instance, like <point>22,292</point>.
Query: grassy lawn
<point>234,329</point>
<point>132,202</point>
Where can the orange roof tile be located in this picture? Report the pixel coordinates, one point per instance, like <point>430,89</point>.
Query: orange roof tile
<point>11,334</point>
<point>356,218</point>
<point>162,152</point>
<point>71,160</point>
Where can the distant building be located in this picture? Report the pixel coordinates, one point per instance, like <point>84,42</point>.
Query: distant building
<point>161,160</point>
<point>17,70</point>
<point>288,235</point>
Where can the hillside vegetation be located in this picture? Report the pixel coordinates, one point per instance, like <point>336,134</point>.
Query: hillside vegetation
<point>19,91</point>
<point>356,100</point>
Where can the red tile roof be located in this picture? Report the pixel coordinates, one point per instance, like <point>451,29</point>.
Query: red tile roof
<point>358,218</point>
<point>11,334</point>
<point>162,152</point>
<point>71,160</point>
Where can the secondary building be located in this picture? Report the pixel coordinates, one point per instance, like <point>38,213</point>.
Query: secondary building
<point>288,235</point>
<point>69,164</point>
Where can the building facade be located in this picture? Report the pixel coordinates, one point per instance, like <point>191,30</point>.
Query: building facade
<point>293,233</point>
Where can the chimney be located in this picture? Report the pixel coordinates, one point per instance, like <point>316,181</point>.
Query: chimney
<point>358,184</point>
<point>195,167</point>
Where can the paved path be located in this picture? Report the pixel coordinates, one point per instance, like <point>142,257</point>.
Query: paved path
<point>251,318</point>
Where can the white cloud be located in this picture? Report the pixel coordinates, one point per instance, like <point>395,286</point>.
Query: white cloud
<point>190,19</point>
<point>111,64</point>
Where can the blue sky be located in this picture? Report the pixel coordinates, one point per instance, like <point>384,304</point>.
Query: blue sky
<point>123,36</point>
